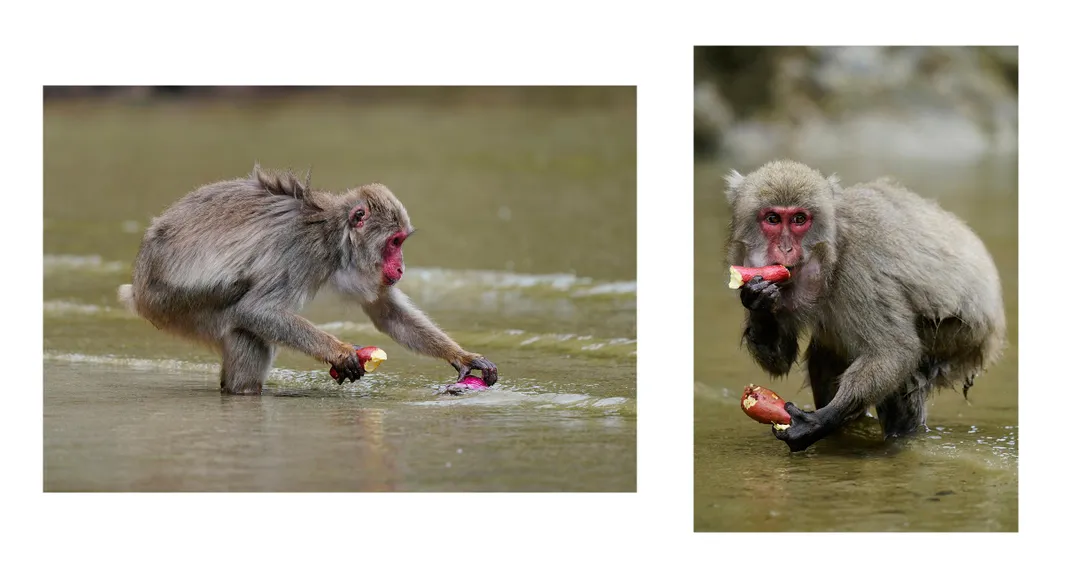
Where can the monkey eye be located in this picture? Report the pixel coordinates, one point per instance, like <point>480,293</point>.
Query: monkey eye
<point>772,218</point>
<point>799,218</point>
<point>397,241</point>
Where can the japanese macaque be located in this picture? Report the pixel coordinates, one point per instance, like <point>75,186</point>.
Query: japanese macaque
<point>230,263</point>
<point>900,297</point>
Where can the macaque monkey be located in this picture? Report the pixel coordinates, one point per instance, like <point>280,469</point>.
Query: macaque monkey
<point>899,296</point>
<point>230,263</point>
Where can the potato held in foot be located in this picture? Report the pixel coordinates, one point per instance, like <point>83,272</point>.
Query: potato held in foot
<point>765,406</point>
<point>741,275</point>
<point>370,357</point>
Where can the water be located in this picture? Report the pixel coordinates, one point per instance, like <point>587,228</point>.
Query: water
<point>961,475</point>
<point>526,253</point>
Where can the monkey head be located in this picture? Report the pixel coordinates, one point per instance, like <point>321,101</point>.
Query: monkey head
<point>376,227</point>
<point>780,213</point>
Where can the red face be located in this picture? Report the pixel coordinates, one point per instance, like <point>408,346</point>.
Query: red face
<point>393,266</point>
<point>784,228</point>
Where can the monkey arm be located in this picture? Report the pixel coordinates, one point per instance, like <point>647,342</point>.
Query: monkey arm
<point>280,326</point>
<point>870,378</point>
<point>770,333</point>
<point>395,315</point>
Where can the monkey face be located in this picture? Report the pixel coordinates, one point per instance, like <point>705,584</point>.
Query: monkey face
<point>784,228</point>
<point>393,264</point>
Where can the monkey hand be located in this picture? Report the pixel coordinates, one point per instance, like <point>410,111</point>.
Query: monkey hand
<point>760,295</point>
<point>805,428</point>
<point>477,362</point>
<point>348,367</point>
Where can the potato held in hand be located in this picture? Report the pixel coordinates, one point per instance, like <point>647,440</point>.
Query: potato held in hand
<point>765,406</point>
<point>370,358</point>
<point>741,275</point>
<point>469,383</point>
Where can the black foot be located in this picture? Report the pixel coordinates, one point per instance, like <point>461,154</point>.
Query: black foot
<point>249,390</point>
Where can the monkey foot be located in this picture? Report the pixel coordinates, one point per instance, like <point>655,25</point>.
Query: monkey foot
<point>805,428</point>
<point>255,390</point>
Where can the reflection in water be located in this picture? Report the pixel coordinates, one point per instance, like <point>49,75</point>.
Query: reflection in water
<point>960,475</point>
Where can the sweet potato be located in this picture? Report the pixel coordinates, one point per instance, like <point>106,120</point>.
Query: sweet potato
<point>765,406</point>
<point>469,383</point>
<point>370,358</point>
<point>741,275</point>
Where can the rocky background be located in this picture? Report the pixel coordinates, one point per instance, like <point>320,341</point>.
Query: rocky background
<point>950,103</point>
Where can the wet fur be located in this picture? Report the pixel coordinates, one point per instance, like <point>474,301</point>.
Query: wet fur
<point>900,296</point>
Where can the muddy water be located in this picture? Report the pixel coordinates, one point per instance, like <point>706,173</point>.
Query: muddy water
<point>961,475</point>
<point>525,252</point>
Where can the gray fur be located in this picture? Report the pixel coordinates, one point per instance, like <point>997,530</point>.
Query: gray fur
<point>230,263</point>
<point>899,296</point>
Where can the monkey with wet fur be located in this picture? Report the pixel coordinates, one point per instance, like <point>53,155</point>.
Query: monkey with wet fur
<point>899,296</point>
<point>230,263</point>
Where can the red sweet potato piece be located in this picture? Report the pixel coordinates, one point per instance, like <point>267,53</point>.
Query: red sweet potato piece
<point>741,275</point>
<point>369,356</point>
<point>764,405</point>
<point>469,383</point>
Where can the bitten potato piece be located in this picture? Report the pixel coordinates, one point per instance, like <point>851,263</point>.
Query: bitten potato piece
<point>370,358</point>
<point>765,406</point>
<point>741,275</point>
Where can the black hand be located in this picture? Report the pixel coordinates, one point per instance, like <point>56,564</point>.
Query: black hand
<point>806,428</point>
<point>760,295</point>
<point>486,367</point>
<point>349,368</point>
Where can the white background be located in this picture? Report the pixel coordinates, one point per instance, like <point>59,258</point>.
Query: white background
<point>516,538</point>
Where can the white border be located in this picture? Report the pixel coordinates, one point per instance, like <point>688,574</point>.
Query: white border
<point>475,539</point>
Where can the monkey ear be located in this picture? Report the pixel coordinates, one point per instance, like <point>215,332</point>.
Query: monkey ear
<point>733,182</point>
<point>358,215</point>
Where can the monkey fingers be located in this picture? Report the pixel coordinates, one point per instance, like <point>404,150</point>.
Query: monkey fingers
<point>349,369</point>
<point>760,295</point>
<point>805,428</point>
<point>486,367</point>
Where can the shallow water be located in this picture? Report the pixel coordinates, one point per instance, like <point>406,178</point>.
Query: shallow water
<point>961,475</point>
<point>525,252</point>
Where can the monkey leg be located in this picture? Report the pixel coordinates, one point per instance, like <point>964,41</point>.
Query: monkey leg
<point>246,361</point>
<point>905,412</point>
<point>902,414</point>
<point>824,369</point>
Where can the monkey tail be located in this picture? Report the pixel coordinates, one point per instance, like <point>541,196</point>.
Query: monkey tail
<point>126,297</point>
